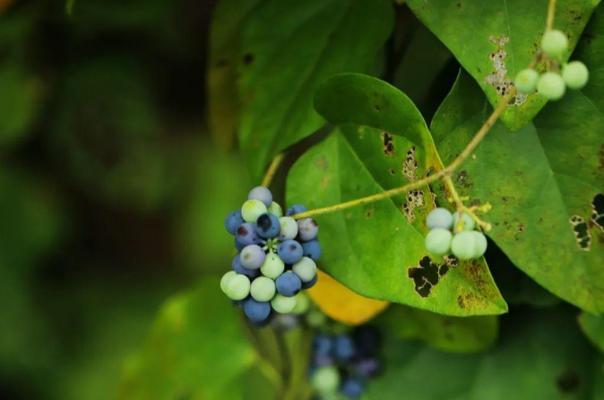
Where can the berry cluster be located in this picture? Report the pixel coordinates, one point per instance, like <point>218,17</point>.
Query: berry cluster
<point>552,84</point>
<point>465,243</point>
<point>344,362</point>
<point>276,256</point>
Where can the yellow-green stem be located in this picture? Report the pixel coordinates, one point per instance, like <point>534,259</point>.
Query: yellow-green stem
<point>272,169</point>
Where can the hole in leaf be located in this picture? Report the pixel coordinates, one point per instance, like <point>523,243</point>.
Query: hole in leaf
<point>581,230</point>
<point>388,144</point>
<point>427,274</point>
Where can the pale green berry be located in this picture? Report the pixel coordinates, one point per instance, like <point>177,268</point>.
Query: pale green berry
<point>551,86</point>
<point>252,209</point>
<point>439,218</point>
<point>263,289</point>
<point>283,305</point>
<point>238,287</point>
<point>554,43</point>
<point>463,245</point>
<point>275,209</point>
<point>289,228</point>
<point>302,303</point>
<point>326,380</point>
<point>526,80</point>
<point>226,278</point>
<point>306,269</point>
<point>575,74</point>
<point>273,266</point>
<point>480,244</point>
<point>438,241</point>
<point>466,223</point>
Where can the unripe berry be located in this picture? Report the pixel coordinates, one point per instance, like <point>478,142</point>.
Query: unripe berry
<point>551,86</point>
<point>526,80</point>
<point>575,74</point>
<point>554,43</point>
<point>463,245</point>
<point>438,241</point>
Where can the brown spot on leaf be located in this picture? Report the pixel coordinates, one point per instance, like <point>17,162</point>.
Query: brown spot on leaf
<point>409,167</point>
<point>248,58</point>
<point>581,231</point>
<point>568,381</point>
<point>369,212</point>
<point>388,144</point>
<point>499,79</point>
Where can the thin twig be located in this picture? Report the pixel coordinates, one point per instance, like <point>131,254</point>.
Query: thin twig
<point>272,169</point>
<point>551,12</point>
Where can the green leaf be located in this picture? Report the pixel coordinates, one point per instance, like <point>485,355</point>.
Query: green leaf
<point>593,327</point>
<point>538,357</point>
<point>538,180</point>
<point>196,349</point>
<point>493,40</point>
<point>376,249</point>
<point>18,103</point>
<point>280,51</point>
<point>453,334</point>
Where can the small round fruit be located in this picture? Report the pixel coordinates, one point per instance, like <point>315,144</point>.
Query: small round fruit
<point>288,284</point>
<point>575,74</point>
<point>551,86</point>
<point>288,228</point>
<point>480,244</point>
<point>307,229</point>
<point>326,380</point>
<point>240,269</point>
<point>256,311</point>
<point>554,43</point>
<point>261,193</point>
<point>252,209</point>
<point>290,251</point>
<point>439,218</point>
<point>312,249</point>
<point>226,278</point>
<point>343,348</point>
<point>275,209</point>
<point>273,266</point>
<point>311,283</point>
<point>463,245</point>
<point>295,209</point>
<point>438,241</point>
<point>323,344</point>
<point>246,234</point>
<point>267,226</point>
<point>238,287</point>
<point>283,305</point>
<point>232,222</point>
<point>526,80</point>
<point>262,289</point>
<point>352,388</point>
<point>252,256</point>
<point>367,367</point>
<point>306,269</point>
<point>302,303</point>
<point>467,225</point>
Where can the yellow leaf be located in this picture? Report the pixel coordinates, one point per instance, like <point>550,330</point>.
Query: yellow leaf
<point>342,304</point>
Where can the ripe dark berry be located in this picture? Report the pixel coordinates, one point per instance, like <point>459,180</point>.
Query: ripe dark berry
<point>257,312</point>
<point>290,251</point>
<point>311,249</point>
<point>352,388</point>
<point>267,226</point>
<point>232,221</point>
<point>288,284</point>
<point>343,348</point>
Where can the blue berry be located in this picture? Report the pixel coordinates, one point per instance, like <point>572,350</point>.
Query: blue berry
<point>343,347</point>
<point>311,283</point>
<point>367,367</point>
<point>240,269</point>
<point>290,251</point>
<point>238,245</point>
<point>312,249</point>
<point>352,388</point>
<point>256,311</point>
<point>252,256</point>
<point>295,209</point>
<point>232,222</point>
<point>267,226</point>
<point>288,284</point>
<point>261,193</point>
<point>323,345</point>
<point>307,229</point>
<point>246,234</point>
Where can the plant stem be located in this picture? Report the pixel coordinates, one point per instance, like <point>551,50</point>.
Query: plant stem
<point>443,173</point>
<point>551,12</point>
<point>272,169</point>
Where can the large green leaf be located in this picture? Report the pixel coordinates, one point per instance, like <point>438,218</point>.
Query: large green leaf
<point>375,249</point>
<point>540,356</point>
<point>495,39</point>
<point>541,182</point>
<point>454,334</point>
<point>280,51</point>
<point>196,349</point>
<point>593,326</point>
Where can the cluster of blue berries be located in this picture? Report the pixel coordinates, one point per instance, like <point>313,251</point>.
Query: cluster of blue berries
<point>276,257</point>
<point>464,242</point>
<point>552,84</point>
<point>343,363</point>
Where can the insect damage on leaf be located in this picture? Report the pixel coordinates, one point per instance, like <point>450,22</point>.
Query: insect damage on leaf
<point>415,199</point>
<point>597,211</point>
<point>388,144</point>
<point>499,79</point>
<point>581,230</point>
<point>427,274</point>
<point>410,165</point>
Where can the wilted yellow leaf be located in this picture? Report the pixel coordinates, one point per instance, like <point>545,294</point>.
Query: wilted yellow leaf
<point>342,304</point>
